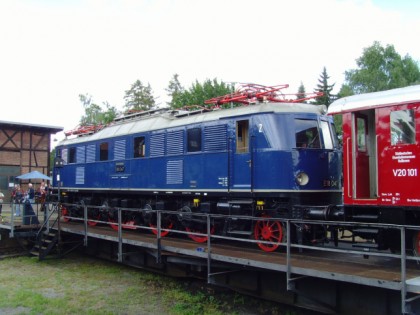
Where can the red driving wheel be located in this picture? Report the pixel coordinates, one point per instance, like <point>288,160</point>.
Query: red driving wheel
<point>167,227</point>
<point>198,238</point>
<point>93,223</point>
<point>130,225</point>
<point>270,231</point>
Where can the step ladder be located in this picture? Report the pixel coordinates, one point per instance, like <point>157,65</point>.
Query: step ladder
<point>46,242</point>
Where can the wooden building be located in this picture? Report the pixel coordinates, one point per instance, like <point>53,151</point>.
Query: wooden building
<point>23,148</point>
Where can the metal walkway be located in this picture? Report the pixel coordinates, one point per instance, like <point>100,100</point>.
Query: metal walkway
<point>348,267</point>
<point>327,277</point>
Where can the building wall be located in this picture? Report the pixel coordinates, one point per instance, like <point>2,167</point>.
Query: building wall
<point>22,149</point>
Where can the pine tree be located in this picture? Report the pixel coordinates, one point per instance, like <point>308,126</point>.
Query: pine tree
<point>327,98</point>
<point>175,91</point>
<point>301,91</point>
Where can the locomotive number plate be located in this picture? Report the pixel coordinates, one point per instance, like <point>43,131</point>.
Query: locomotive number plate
<point>119,167</point>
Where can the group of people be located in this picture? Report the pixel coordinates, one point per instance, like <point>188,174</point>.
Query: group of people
<point>20,197</point>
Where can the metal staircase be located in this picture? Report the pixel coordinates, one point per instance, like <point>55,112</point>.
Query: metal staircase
<point>47,237</point>
<point>45,244</point>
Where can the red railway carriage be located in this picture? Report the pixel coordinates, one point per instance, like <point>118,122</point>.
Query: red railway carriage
<point>381,156</point>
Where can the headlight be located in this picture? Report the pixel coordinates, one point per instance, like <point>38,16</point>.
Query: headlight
<point>302,178</point>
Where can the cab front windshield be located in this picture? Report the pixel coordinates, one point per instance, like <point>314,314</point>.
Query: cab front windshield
<point>308,134</point>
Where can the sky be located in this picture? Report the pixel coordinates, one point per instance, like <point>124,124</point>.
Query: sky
<point>52,51</point>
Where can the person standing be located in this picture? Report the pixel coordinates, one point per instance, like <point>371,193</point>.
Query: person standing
<point>31,193</point>
<point>42,195</point>
<point>42,187</point>
<point>17,199</point>
<point>1,202</point>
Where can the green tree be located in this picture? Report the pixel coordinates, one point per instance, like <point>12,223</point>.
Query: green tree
<point>110,113</point>
<point>200,92</point>
<point>139,97</point>
<point>93,112</point>
<point>96,114</point>
<point>345,91</point>
<point>301,93</point>
<point>325,89</point>
<point>175,91</point>
<point>381,68</point>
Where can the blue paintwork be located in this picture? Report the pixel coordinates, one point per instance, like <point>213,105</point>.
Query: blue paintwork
<point>275,162</point>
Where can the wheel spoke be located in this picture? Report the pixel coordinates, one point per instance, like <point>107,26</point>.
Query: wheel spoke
<point>275,238</point>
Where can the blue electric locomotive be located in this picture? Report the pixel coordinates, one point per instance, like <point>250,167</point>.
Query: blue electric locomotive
<point>278,160</point>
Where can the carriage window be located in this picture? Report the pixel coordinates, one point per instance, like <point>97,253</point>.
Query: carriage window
<point>402,127</point>
<point>361,134</point>
<point>334,135</point>
<point>139,147</point>
<point>72,155</point>
<point>307,134</point>
<point>194,139</point>
<point>103,151</point>
<point>326,135</point>
<point>64,155</point>
<point>242,127</point>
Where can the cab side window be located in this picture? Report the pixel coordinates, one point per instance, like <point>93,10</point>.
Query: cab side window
<point>242,140</point>
<point>103,151</point>
<point>194,140</point>
<point>72,155</point>
<point>139,147</point>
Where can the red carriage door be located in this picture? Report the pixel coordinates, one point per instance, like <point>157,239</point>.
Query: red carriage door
<point>361,168</point>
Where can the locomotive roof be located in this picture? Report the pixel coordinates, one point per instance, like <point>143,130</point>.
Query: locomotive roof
<point>376,99</point>
<point>170,119</point>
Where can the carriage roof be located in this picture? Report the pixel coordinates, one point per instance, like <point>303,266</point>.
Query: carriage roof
<point>165,119</point>
<point>376,99</point>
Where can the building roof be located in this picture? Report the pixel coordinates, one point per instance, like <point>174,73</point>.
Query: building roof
<point>19,125</point>
<point>408,94</point>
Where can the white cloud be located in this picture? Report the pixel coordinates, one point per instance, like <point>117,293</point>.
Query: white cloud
<point>53,51</point>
